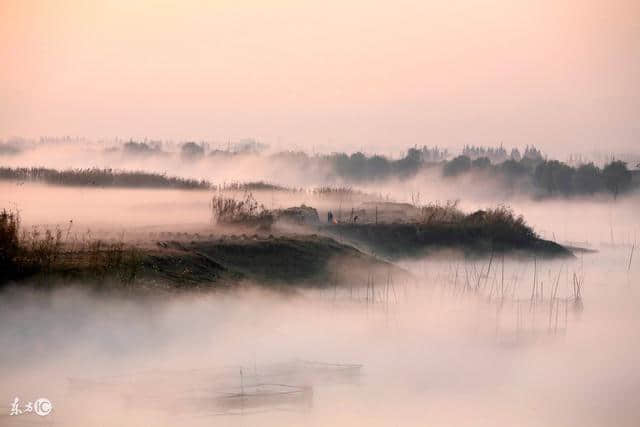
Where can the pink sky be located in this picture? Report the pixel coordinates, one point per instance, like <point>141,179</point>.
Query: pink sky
<point>373,75</point>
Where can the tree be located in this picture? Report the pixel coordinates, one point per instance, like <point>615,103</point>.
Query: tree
<point>357,165</point>
<point>457,166</point>
<point>513,169</point>
<point>409,164</point>
<point>588,179</point>
<point>617,177</point>
<point>191,151</point>
<point>140,148</point>
<point>553,176</point>
<point>481,163</point>
<point>378,167</point>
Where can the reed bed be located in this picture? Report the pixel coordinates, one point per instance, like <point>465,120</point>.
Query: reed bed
<point>95,177</point>
<point>42,252</point>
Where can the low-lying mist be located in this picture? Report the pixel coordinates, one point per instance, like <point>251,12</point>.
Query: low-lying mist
<point>435,351</point>
<point>430,173</point>
<point>483,341</point>
<point>113,210</point>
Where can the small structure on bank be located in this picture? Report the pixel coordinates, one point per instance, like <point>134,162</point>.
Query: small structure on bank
<point>298,215</point>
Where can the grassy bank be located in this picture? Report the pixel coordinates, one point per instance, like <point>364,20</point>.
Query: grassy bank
<point>94,177</point>
<point>433,227</point>
<point>50,257</point>
<point>46,254</point>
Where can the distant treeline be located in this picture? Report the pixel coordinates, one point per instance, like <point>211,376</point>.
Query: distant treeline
<point>101,178</point>
<point>361,167</point>
<point>529,170</point>
<point>192,150</point>
<point>550,177</point>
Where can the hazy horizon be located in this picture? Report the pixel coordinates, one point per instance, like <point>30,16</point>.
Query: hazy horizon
<point>379,77</point>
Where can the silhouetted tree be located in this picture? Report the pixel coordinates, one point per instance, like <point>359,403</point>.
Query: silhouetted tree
<point>495,155</point>
<point>513,168</point>
<point>140,148</point>
<point>433,155</point>
<point>358,165</point>
<point>532,153</point>
<point>410,163</point>
<point>481,163</point>
<point>191,151</point>
<point>554,176</point>
<point>617,177</point>
<point>457,166</point>
<point>379,166</point>
<point>587,179</point>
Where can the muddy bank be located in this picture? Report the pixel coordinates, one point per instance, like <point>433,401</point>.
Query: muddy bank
<point>303,260</point>
<point>222,262</point>
<point>397,241</point>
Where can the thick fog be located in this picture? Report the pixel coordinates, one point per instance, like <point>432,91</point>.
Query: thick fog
<point>462,343</point>
<point>430,351</point>
<point>593,220</point>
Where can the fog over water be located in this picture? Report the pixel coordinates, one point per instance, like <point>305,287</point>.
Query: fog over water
<point>432,350</point>
<point>303,95</point>
<point>429,354</point>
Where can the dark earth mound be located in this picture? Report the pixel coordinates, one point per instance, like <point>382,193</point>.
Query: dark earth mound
<point>293,259</point>
<point>407,240</point>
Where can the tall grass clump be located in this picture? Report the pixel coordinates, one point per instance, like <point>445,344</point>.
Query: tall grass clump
<point>245,210</point>
<point>101,259</point>
<point>25,253</point>
<point>41,250</point>
<point>256,186</point>
<point>9,244</point>
<point>345,193</point>
<point>435,213</point>
<point>502,223</point>
<point>328,191</point>
<point>499,223</point>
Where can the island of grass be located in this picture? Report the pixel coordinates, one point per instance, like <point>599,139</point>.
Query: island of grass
<point>286,247</point>
<point>436,228</point>
<point>401,230</point>
<point>185,261</point>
